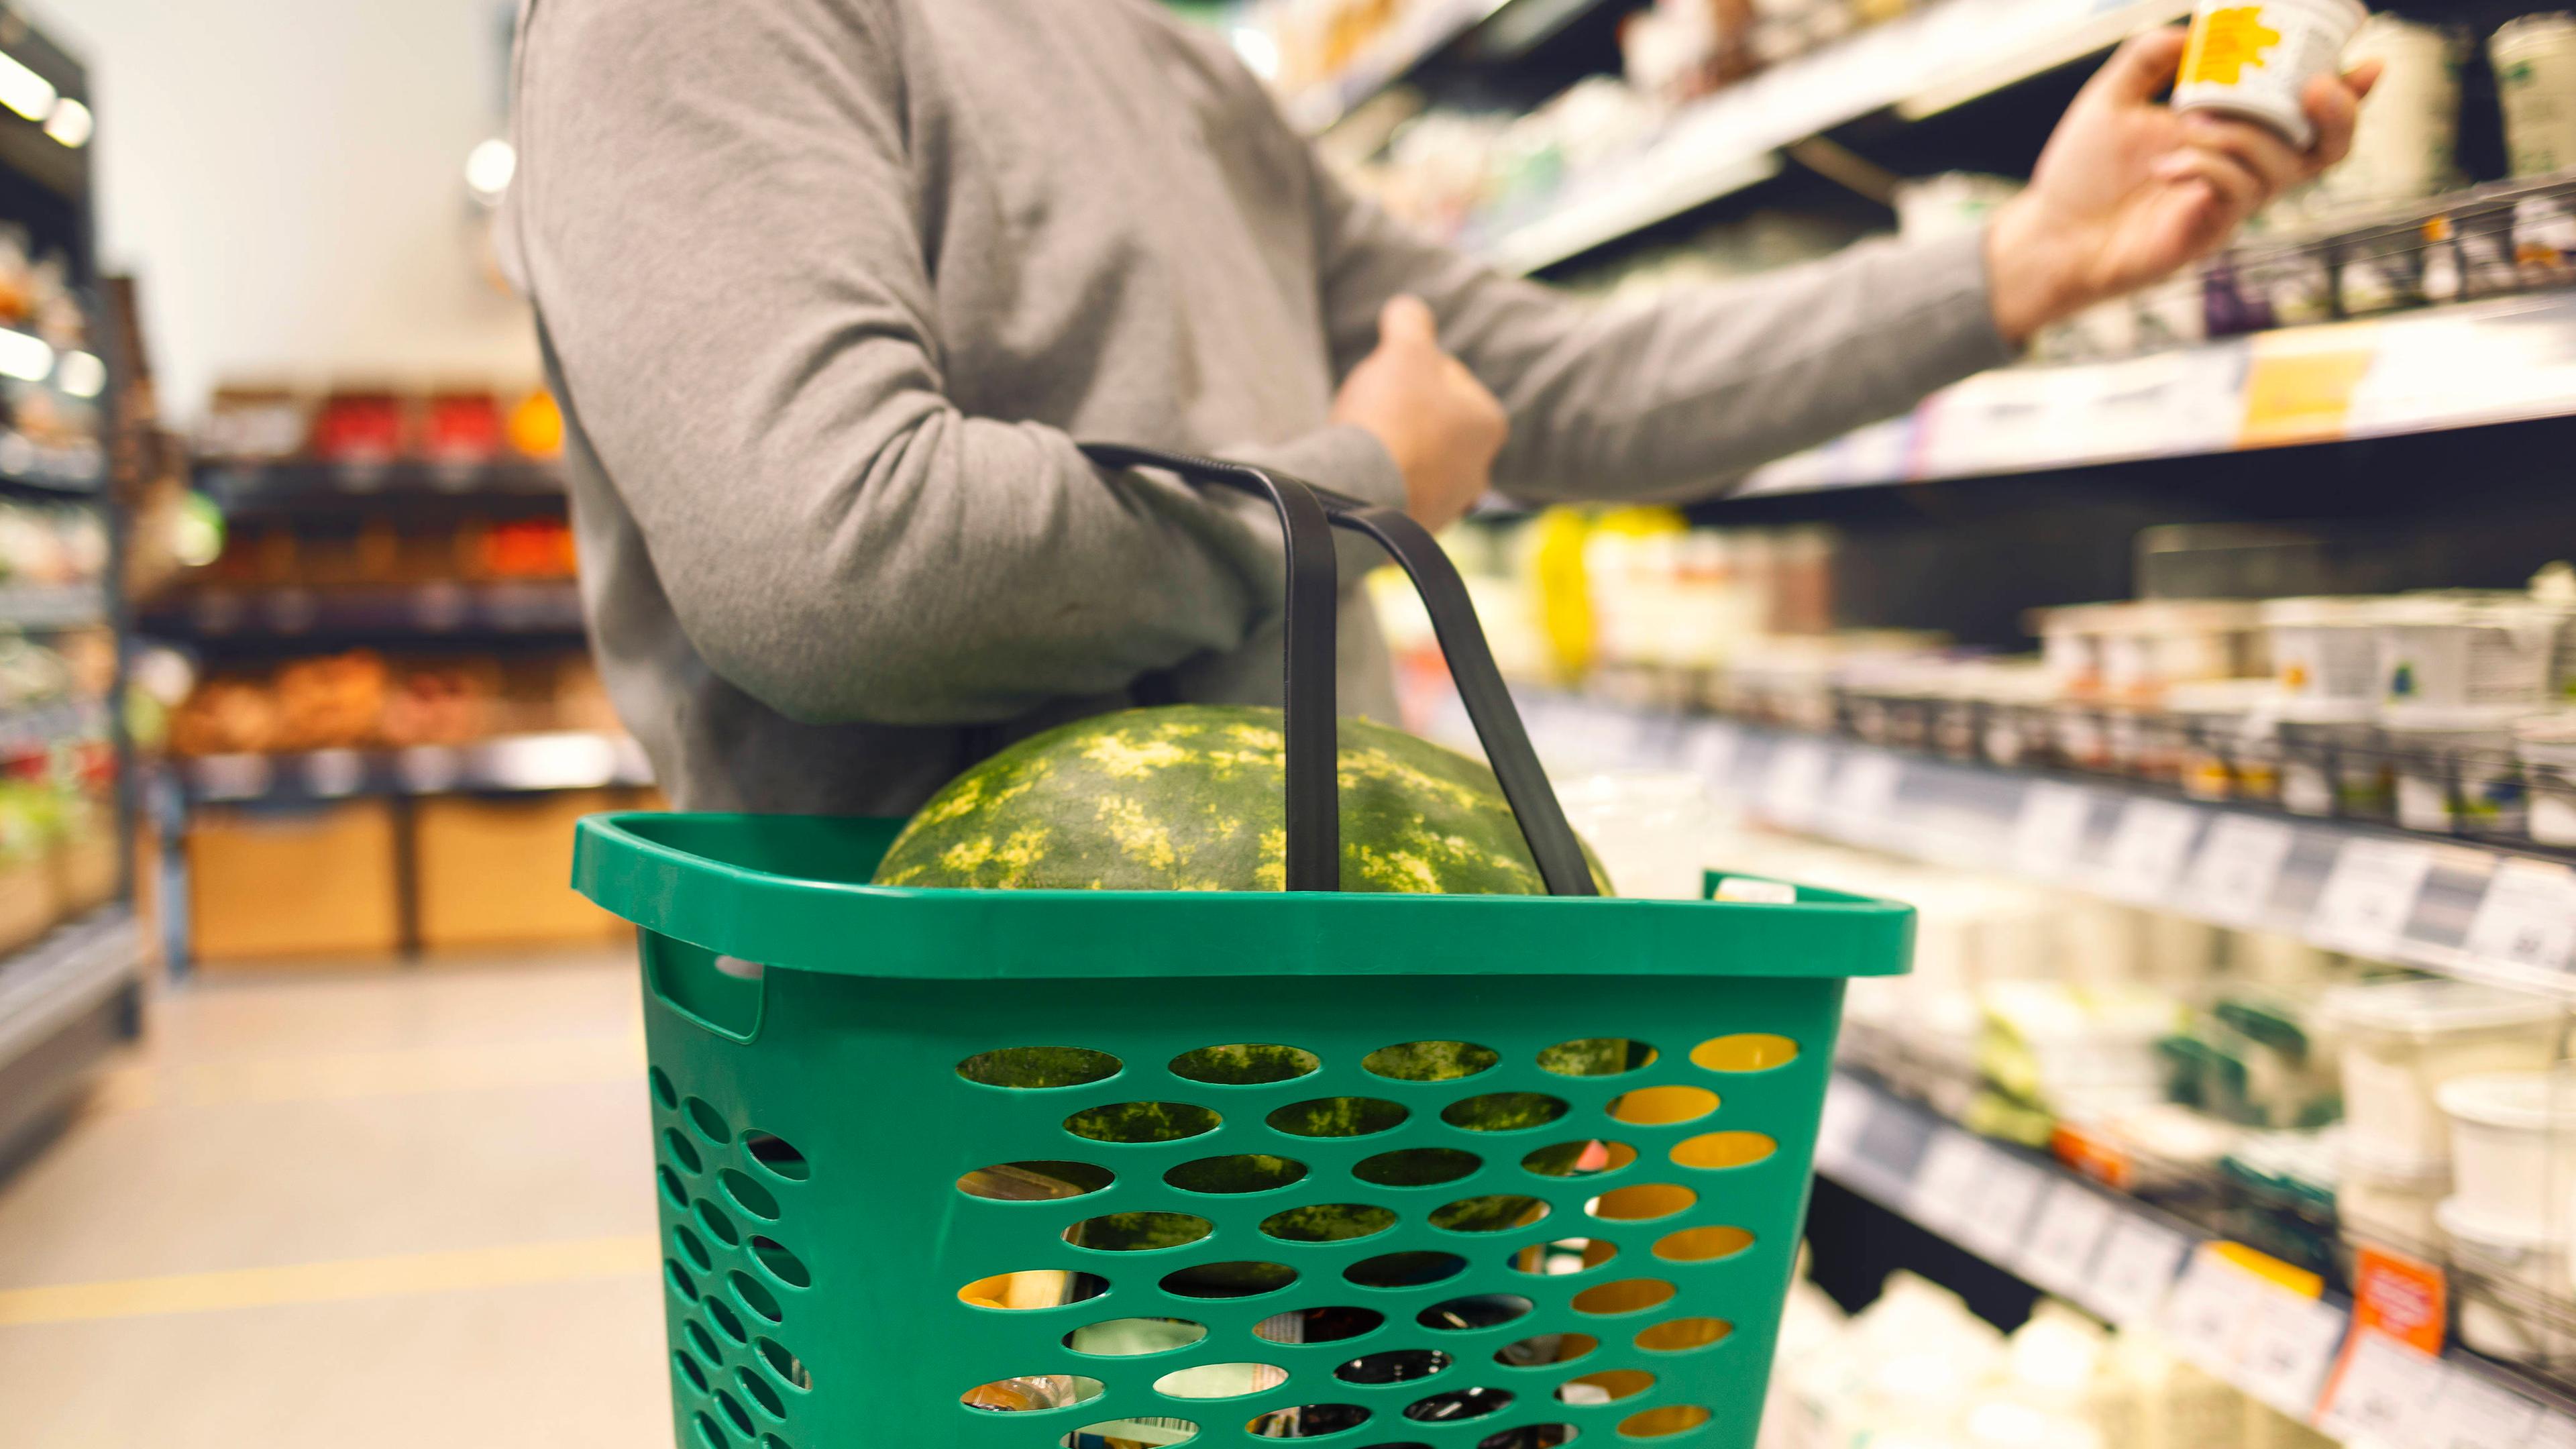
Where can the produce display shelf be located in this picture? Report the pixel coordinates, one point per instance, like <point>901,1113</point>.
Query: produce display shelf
<point>31,729</point>
<point>2511,359</point>
<point>511,764</point>
<point>547,607</point>
<point>52,606</point>
<point>52,996</point>
<point>2131,1264</point>
<point>2477,911</point>
<point>1916,65</point>
<point>245,486</point>
<point>1402,49</point>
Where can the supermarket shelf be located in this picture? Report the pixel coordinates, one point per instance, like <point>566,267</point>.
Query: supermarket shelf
<point>36,727</point>
<point>2508,360</point>
<point>2131,1264</point>
<point>48,992</point>
<point>239,487</point>
<point>52,606</point>
<point>2462,909</point>
<point>536,607</point>
<point>516,764</point>
<point>1404,48</point>
<point>1732,139</point>
<point>79,472</point>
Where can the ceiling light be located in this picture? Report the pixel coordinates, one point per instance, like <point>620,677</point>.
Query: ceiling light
<point>24,357</point>
<point>81,374</point>
<point>72,123</point>
<point>489,167</point>
<point>24,91</point>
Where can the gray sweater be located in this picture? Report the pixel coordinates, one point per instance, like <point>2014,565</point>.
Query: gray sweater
<point>830,287</point>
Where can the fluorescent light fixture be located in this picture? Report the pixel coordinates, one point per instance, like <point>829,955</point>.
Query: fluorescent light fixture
<point>1259,53</point>
<point>23,357</point>
<point>24,91</point>
<point>489,167</point>
<point>72,123</point>
<point>81,374</point>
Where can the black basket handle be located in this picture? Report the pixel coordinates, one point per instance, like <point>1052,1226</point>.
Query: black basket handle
<point>1307,516</point>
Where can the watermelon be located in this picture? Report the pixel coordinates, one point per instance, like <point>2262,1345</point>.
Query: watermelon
<point>1190,797</point>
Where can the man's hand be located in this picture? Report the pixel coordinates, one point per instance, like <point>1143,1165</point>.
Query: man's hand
<point>1441,424</point>
<point>2130,191</point>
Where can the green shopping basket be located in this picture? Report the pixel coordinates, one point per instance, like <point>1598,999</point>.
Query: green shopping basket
<point>1008,1170</point>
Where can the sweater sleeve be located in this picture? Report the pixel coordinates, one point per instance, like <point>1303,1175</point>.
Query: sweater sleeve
<point>1672,395</point>
<point>718,221</point>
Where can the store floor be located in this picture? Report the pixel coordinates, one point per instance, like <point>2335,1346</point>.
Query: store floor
<point>395,1210</point>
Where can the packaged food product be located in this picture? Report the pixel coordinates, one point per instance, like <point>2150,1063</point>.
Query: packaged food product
<point>2255,59</point>
<point>2513,1148</point>
<point>2407,142</point>
<point>2544,239</point>
<point>2148,647</point>
<point>2535,70</point>
<point>2403,1040</point>
<point>2333,762</point>
<point>2390,1204</point>
<point>2506,1281</point>
<point>2456,650</point>
<point>2455,767</point>
<point>2546,745</point>
<point>2324,648</point>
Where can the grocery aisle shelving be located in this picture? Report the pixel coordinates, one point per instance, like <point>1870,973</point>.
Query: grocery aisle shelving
<point>2131,1264</point>
<point>241,487</point>
<point>65,1003</point>
<point>561,760</point>
<point>2457,907</point>
<point>549,608</point>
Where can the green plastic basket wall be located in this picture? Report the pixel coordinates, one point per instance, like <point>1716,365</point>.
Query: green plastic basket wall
<point>1574,1221</point>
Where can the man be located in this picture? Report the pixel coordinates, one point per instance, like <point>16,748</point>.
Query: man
<point>829,289</point>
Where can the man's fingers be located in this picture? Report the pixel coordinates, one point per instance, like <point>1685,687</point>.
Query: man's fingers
<point>2258,149</point>
<point>2336,108</point>
<point>1407,322</point>
<point>2141,69</point>
<point>2239,189</point>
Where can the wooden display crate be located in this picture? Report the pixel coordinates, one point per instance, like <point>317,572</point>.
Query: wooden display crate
<point>497,871</point>
<point>269,882</point>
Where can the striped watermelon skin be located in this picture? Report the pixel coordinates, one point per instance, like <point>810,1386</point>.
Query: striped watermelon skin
<point>1190,798</point>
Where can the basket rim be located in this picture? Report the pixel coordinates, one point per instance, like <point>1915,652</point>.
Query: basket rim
<point>845,928</point>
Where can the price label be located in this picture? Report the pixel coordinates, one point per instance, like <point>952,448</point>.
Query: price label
<point>2239,864</point>
<point>233,777</point>
<point>2474,1413</point>
<point>2070,1232</point>
<point>2004,1204</point>
<point>2287,1350</point>
<point>1946,1187</point>
<point>2209,1309</point>
<point>2050,830</point>
<point>1838,1131</point>
<point>2528,918</point>
<point>1794,787</point>
<point>2148,850</point>
<point>2136,1270</point>
<point>1710,754</point>
<point>2370,896</point>
<point>2385,1393</point>
<point>1864,798</point>
<point>331,774</point>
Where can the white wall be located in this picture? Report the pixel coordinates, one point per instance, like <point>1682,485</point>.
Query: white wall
<point>286,176</point>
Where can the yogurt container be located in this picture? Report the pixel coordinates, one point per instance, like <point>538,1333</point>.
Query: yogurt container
<point>2546,745</point>
<point>2454,651</point>
<point>2252,58</point>
<point>2404,1040</point>
<point>2390,1204</point>
<point>2535,69</point>
<point>2513,1149</point>
<point>2456,768</point>
<point>2508,1283</point>
<point>2325,648</point>
<point>2407,142</point>
<point>2228,742</point>
<point>2333,762</point>
<point>2151,646</point>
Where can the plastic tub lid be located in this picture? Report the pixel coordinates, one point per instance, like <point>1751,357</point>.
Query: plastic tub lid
<point>2442,610</point>
<point>2365,1160</point>
<point>2463,719</point>
<point>2462,1220</point>
<point>2224,697</point>
<point>2327,611</point>
<point>2435,1007</point>
<point>2533,32</point>
<point>2557,727</point>
<point>2520,1101</point>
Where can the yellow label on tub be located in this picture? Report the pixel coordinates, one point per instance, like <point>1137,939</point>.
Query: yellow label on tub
<point>2228,42</point>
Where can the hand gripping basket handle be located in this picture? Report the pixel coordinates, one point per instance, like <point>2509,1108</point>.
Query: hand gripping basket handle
<point>1307,516</point>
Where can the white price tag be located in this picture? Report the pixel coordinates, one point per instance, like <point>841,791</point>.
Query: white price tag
<point>2210,1309</point>
<point>2050,830</point>
<point>2004,1205</point>
<point>1710,754</point>
<point>2239,864</point>
<point>2287,1350</point>
<point>2136,1270</point>
<point>1793,789</point>
<point>2148,850</point>
<point>1946,1185</point>
<point>1864,798</point>
<point>2071,1229</point>
<point>1838,1131</point>
<point>331,774</point>
<point>2528,918</point>
<point>2385,1395</point>
<point>2474,1413</point>
<point>2370,896</point>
